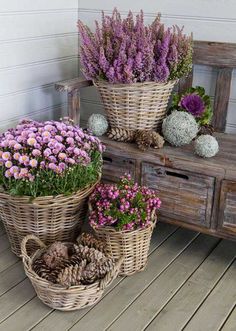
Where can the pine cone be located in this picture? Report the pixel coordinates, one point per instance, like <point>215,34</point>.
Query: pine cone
<point>206,129</point>
<point>89,254</point>
<point>71,275</point>
<point>121,135</point>
<point>157,140</point>
<point>105,267</point>
<point>89,274</point>
<point>87,239</point>
<point>42,270</point>
<point>55,254</point>
<point>143,139</point>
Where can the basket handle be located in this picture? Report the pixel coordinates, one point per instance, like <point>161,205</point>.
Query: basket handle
<point>24,253</point>
<point>110,276</point>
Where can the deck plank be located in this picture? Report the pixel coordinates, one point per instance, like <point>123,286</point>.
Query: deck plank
<point>2,229</point>
<point>230,324</point>
<point>215,309</point>
<point>156,296</point>
<point>12,301</point>
<point>24,318</point>
<point>123,295</point>
<point>195,290</point>
<point>7,259</point>
<point>4,243</point>
<point>11,276</point>
<point>67,320</point>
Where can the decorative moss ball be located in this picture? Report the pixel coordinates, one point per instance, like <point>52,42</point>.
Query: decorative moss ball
<point>179,128</point>
<point>98,124</point>
<point>206,146</point>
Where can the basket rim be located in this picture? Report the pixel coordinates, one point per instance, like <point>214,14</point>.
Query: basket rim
<point>139,84</point>
<point>50,197</point>
<point>111,229</point>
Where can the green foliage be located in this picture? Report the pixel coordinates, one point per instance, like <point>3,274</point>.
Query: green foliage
<point>47,182</point>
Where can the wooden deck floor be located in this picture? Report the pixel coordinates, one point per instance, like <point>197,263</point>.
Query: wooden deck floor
<point>189,284</point>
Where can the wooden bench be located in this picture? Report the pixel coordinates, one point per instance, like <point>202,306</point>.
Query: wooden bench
<point>196,193</point>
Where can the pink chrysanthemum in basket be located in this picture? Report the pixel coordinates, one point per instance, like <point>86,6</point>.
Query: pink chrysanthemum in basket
<point>124,206</point>
<point>48,158</point>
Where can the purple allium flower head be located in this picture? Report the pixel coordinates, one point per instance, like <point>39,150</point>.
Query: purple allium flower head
<point>193,103</point>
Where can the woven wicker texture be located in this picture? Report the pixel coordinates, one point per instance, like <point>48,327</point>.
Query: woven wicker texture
<point>132,245</point>
<point>49,218</point>
<point>57,296</point>
<point>136,106</point>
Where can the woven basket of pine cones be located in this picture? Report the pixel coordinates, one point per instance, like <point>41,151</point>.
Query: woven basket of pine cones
<point>51,218</point>
<point>68,276</point>
<point>133,246</point>
<point>137,106</point>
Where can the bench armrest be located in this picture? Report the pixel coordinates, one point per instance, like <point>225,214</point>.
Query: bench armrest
<point>71,85</point>
<point>72,88</point>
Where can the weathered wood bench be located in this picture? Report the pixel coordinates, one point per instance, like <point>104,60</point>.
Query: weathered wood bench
<point>196,193</point>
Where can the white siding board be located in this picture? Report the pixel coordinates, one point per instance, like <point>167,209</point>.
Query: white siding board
<point>37,50</point>
<point>23,5</point>
<point>32,76</point>
<point>36,25</point>
<point>29,101</point>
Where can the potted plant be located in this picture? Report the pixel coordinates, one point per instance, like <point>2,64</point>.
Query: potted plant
<point>124,216</point>
<point>47,171</point>
<point>134,66</point>
<point>196,102</point>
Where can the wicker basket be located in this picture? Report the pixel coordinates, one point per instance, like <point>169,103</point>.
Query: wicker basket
<point>135,106</point>
<point>132,245</point>
<point>57,296</point>
<point>49,218</point>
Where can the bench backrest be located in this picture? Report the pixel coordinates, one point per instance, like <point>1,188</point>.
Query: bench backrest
<point>223,57</point>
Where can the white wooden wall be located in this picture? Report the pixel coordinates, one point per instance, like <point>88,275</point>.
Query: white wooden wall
<point>213,20</point>
<point>38,46</point>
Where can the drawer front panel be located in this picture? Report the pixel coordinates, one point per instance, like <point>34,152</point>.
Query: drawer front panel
<point>186,197</point>
<point>116,166</point>
<point>227,213</point>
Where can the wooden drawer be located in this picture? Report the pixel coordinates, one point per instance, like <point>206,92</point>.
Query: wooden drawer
<point>227,210</point>
<point>116,166</point>
<point>185,196</point>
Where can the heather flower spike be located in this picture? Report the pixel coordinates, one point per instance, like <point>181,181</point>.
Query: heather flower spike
<point>125,50</point>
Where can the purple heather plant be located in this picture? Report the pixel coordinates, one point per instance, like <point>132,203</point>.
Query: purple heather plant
<point>124,206</point>
<point>128,51</point>
<point>48,158</point>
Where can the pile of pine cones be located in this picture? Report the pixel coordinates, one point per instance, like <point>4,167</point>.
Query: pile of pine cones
<point>143,138</point>
<point>71,264</point>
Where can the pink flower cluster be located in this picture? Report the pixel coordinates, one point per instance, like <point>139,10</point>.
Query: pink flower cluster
<point>125,206</point>
<point>51,145</point>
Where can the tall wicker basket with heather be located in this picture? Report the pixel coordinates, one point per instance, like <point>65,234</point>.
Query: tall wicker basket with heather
<point>134,66</point>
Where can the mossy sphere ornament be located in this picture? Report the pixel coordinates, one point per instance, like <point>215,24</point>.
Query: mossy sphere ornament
<point>179,128</point>
<point>206,146</point>
<point>98,124</point>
